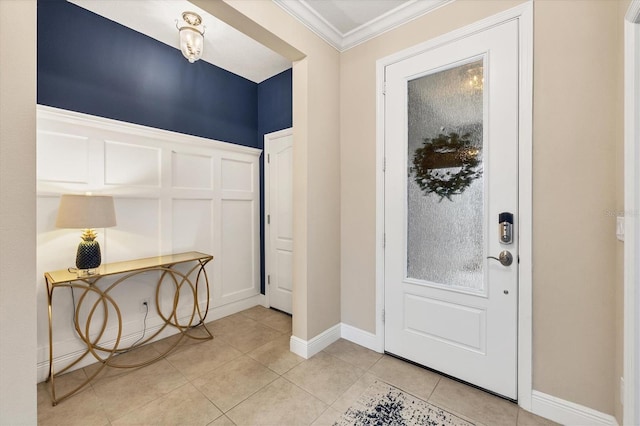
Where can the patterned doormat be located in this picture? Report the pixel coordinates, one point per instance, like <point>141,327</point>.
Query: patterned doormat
<point>382,404</point>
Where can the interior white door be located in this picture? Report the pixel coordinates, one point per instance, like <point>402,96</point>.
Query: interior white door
<point>279,184</point>
<point>451,146</point>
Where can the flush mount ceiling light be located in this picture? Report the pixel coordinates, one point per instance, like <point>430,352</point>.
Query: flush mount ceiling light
<point>191,36</point>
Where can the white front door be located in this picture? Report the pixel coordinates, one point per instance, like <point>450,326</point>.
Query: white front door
<point>451,148</point>
<point>279,207</point>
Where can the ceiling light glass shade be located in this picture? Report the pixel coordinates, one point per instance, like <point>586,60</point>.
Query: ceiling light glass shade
<point>191,42</point>
<point>191,37</point>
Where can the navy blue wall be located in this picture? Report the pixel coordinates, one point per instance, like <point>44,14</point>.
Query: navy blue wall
<point>114,72</point>
<point>90,64</point>
<point>275,112</point>
<point>275,103</point>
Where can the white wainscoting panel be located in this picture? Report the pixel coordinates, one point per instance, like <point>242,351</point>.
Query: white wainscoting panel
<point>192,171</point>
<point>71,168</point>
<point>238,247</point>
<point>138,232</point>
<point>237,175</point>
<point>131,164</point>
<point>173,193</point>
<point>192,227</point>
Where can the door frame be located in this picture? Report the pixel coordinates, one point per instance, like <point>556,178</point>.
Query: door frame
<point>524,14</point>
<point>268,138</point>
<point>631,388</point>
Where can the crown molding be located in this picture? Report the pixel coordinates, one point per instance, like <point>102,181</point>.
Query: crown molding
<point>633,12</point>
<point>311,19</point>
<point>390,20</point>
<point>402,14</point>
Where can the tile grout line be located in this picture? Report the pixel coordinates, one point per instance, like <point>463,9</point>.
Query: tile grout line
<point>342,355</point>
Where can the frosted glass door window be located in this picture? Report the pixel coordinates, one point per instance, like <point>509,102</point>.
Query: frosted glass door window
<point>445,185</point>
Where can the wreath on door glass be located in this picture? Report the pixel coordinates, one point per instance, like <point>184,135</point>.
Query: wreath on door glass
<point>435,162</point>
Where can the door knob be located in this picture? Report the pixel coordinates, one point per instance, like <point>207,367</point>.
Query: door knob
<point>505,258</point>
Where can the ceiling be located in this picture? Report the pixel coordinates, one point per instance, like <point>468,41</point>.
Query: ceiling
<point>347,23</point>
<point>342,23</point>
<point>224,46</point>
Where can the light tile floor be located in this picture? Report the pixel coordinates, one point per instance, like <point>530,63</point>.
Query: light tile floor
<point>246,375</point>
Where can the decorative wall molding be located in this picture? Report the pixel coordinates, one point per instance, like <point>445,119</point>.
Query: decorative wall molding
<point>633,13</point>
<point>308,348</point>
<point>78,118</point>
<point>568,413</point>
<point>173,193</point>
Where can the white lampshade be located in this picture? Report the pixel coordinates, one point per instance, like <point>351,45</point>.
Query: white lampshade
<point>86,211</point>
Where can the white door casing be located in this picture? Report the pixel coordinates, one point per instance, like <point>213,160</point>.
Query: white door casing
<point>279,220</point>
<point>631,389</point>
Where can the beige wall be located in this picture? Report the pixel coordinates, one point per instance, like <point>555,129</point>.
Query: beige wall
<point>576,107</point>
<point>316,152</point>
<point>577,104</point>
<point>17,212</point>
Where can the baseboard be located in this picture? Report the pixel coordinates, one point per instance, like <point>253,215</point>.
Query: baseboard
<point>308,348</point>
<point>360,337</point>
<point>71,350</point>
<point>568,413</point>
<point>235,307</point>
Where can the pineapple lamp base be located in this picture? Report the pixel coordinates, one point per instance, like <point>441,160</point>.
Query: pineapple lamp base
<point>88,257</point>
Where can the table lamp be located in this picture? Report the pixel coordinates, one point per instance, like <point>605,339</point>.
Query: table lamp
<point>86,212</point>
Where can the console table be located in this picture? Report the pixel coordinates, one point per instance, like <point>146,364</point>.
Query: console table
<point>183,282</point>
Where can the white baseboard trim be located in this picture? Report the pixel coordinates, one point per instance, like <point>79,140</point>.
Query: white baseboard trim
<point>308,348</point>
<point>360,337</point>
<point>71,350</point>
<point>68,356</point>
<point>568,413</point>
<point>218,312</point>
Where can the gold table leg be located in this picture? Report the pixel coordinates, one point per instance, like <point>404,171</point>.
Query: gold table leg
<point>89,285</point>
